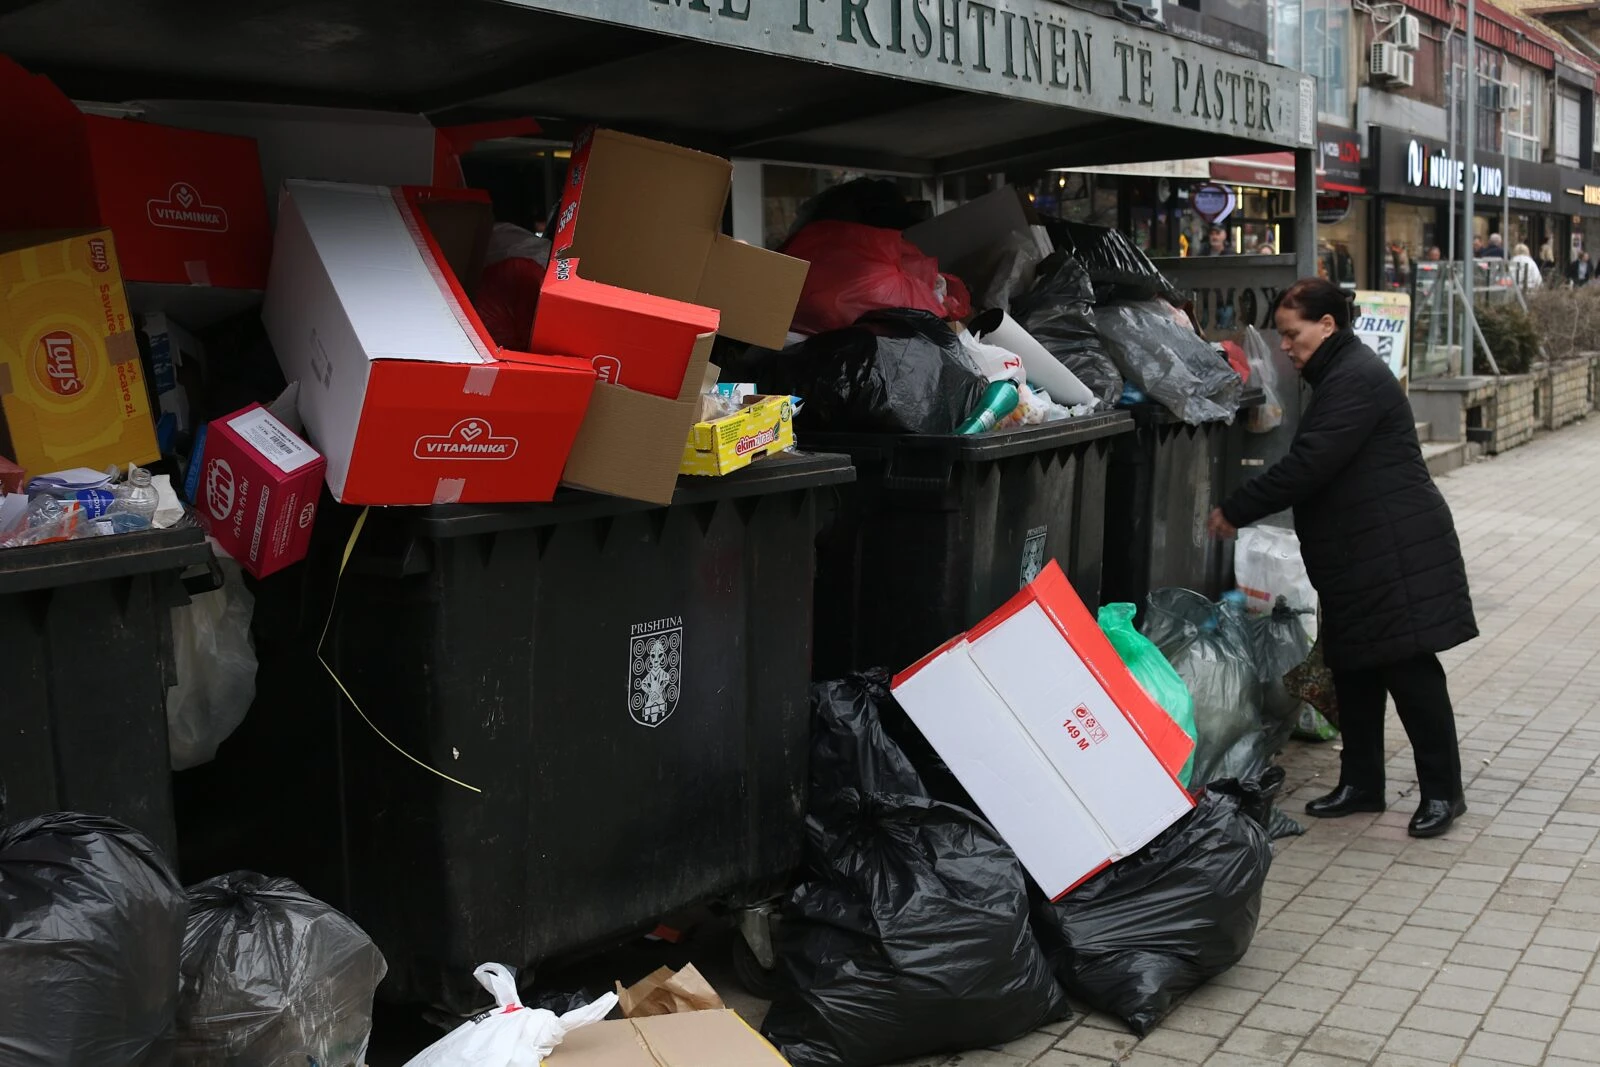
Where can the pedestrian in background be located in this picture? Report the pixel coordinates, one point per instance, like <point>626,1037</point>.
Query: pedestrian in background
<point>1582,271</point>
<point>1525,269</point>
<point>1379,546</point>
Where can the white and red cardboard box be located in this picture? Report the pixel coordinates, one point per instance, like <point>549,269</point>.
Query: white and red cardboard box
<point>642,292</point>
<point>257,489</point>
<point>1042,724</point>
<point>186,207</point>
<point>402,388</point>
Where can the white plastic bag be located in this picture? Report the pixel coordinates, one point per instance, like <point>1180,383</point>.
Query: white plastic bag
<point>1264,373</point>
<point>509,1035</point>
<point>1267,565</point>
<point>216,667</point>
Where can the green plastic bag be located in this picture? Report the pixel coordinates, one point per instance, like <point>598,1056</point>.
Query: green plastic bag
<point>1151,670</point>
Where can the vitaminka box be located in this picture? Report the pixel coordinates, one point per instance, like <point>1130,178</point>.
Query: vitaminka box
<point>71,387</point>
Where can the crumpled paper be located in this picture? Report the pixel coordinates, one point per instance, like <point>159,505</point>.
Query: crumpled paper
<point>665,992</point>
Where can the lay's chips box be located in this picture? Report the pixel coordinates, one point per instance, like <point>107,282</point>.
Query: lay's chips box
<point>71,387</point>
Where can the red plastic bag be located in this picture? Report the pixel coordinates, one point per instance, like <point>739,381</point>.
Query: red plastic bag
<point>1237,360</point>
<point>508,291</point>
<point>856,269</point>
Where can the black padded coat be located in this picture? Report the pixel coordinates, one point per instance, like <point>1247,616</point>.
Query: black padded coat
<point>1375,532</point>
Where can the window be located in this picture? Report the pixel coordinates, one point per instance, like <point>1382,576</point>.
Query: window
<point>1327,55</point>
<point>1568,127</point>
<point>1525,126</point>
<point>1488,116</point>
<point>1283,48</point>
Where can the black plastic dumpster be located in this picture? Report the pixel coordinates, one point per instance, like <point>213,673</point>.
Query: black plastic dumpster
<point>86,629</point>
<point>625,684</point>
<point>938,531</point>
<point>1163,481</point>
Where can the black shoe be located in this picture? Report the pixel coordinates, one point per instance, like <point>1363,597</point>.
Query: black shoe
<point>1435,816</point>
<point>1346,800</point>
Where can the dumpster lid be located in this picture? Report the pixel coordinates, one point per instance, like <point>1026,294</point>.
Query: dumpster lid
<point>97,559</point>
<point>977,448</point>
<point>784,473</point>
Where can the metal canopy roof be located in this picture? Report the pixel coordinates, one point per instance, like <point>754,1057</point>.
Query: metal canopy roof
<point>683,70</point>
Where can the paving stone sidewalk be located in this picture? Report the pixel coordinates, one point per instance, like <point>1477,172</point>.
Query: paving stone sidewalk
<point>1474,949</point>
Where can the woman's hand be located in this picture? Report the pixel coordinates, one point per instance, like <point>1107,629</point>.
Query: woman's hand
<point>1220,527</point>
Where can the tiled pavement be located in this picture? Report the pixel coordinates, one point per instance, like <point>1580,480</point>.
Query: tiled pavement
<point>1478,948</point>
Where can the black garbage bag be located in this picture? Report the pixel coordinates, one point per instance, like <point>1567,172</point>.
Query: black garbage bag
<point>91,922</point>
<point>862,739</point>
<point>1116,266</point>
<point>869,201</point>
<point>1059,312</point>
<point>894,371</point>
<point>272,975</point>
<point>1158,924</point>
<point>1168,361</point>
<point>1257,796</point>
<point>1209,645</point>
<point>912,939</point>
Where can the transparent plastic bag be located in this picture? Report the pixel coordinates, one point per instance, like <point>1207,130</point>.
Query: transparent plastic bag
<point>1267,568</point>
<point>215,658</point>
<point>1264,373</point>
<point>1171,363</point>
<point>272,975</point>
<point>1210,648</point>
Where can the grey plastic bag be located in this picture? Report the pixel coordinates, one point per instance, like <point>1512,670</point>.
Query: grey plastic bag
<point>1210,646</point>
<point>1168,361</point>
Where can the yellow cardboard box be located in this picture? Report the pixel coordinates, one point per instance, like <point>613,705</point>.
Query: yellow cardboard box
<point>765,425</point>
<point>71,387</point>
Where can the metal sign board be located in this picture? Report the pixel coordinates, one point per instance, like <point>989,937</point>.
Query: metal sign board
<point>1037,50</point>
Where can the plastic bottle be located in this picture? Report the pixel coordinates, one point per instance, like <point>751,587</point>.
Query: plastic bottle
<point>999,400</point>
<point>135,506</point>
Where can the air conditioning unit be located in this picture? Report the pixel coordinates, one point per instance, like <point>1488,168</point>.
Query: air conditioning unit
<point>1510,97</point>
<point>1407,33</point>
<point>1385,62</point>
<point>1407,75</point>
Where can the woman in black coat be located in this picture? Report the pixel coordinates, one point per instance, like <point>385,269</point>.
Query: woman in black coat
<point>1379,546</point>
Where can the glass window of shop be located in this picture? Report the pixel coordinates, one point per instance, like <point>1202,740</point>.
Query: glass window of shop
<point>784,189</point>
<point>1326,55</point>
<point>1284,37</point>
<point>1409,231</point>
<point>1525,125</point>
<point>1342,247</point>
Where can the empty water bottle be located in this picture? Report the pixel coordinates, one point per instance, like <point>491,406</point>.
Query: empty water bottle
<point>135,504</point>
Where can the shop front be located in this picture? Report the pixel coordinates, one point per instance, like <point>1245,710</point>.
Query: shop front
<point>1418,180</point>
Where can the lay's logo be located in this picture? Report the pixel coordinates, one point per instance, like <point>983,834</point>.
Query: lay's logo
<point>220,489</point>
<point>57,366</point>
<point>99,258</point>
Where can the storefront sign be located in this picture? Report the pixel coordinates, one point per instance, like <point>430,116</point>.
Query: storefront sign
<point>1383,322</point>
<point>1339,151</point>
<point>1036,50</point>
<point>1589,194</point>
<point>1212,202</point>
<point>1412,166</point>
<point>1578,193</point>
<point>1332,208</point>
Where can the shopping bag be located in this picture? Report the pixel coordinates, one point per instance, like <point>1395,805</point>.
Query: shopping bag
<point>509,1035</point>
<point>666,992</point>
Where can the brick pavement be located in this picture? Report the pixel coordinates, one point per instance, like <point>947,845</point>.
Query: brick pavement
<point>1475,949</point>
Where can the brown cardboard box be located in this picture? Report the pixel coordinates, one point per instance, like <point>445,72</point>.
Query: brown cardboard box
<point>641,292</point>
<point>687,1039</point>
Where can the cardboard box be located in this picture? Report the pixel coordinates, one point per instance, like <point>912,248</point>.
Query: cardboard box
<point>974,241</point>
<point>642,292</point>
<point>339,144</point>
<point>686,1039</point>
<point>401,387</point>
<point>175,357</point>
<point>258,489</point>
<point>1043,725</point>
<point>764,426</point>
<point>71,385</point>
<point>186,207</point>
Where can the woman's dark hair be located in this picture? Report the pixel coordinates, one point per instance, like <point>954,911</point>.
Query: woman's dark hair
<point>1313,298</point>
